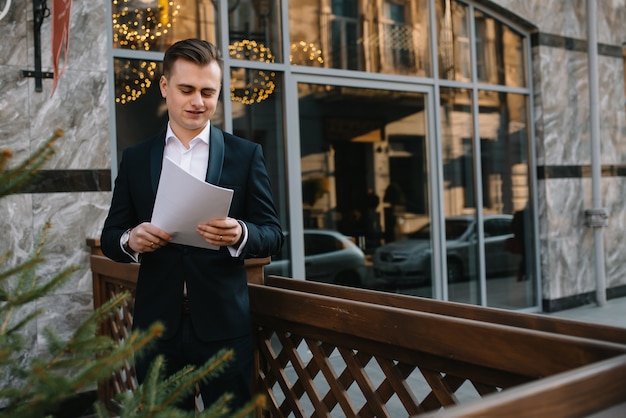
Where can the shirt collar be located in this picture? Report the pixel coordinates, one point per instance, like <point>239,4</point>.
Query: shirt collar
<point>203,135</point>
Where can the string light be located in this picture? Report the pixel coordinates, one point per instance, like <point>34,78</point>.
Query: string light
<point>306,54</point>
<point>253,86</point>
<point>134,79</point>
<point>139,28</point>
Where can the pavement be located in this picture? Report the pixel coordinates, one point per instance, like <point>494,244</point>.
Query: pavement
<point>613,313</point>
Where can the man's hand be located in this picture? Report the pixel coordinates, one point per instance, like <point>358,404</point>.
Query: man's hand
<point>145,238</point>
<point>221,232</point>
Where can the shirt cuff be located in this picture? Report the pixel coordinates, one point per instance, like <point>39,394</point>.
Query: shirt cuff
<point>237,249</point>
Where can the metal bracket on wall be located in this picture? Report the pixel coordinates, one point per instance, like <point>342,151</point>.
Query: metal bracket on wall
<point>40,12</point>
<point>596,218</point>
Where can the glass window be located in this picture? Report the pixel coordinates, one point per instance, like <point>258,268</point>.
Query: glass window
<point>365,174</point>
<point>459,201</point>
<point>453,40</point>
<point>257,114</point>
<point>499,53</point>
<point>254,29</point>
<point>352,35</point>
<point>140,110</point>
<point>365,158</point>
<point>320,244</point>
<point>137,102</point>
<point>505,189</point>
<point>153,25</point>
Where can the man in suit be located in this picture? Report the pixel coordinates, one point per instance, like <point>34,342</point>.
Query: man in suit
<point>200,295</point>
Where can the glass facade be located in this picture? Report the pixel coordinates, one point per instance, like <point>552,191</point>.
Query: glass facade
<point>387,37</point>
<point>395,166</point>
<point>153,25</point>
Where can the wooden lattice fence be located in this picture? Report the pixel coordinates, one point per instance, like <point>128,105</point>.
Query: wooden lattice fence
<point>332,351</point>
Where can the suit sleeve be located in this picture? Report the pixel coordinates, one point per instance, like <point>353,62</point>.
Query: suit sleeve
<point>265,237</point>
<point>122,215</point>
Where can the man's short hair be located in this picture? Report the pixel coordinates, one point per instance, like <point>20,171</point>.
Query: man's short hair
<point>197,51</point>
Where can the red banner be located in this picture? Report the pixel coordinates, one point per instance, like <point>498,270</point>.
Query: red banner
<point>60,36</point>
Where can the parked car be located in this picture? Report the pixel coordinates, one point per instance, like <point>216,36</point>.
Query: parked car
<point>329,257</point>
<point>408,261</point>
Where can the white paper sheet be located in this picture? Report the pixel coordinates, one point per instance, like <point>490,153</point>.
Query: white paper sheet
<point>183,202</point>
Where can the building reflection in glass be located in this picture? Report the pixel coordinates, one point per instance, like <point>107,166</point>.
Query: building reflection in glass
<point>381,37</point>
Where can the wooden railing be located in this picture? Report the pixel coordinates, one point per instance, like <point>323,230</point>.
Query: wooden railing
<point>110,279</point>
<point>331,351</point>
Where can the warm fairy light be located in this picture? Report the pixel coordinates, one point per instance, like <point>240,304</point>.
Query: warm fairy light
<point>306,54</point>
<point>253,86</point>
<point>139,28</point>
<point>134,79</point>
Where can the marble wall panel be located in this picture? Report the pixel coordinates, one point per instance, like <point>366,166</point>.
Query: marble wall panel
<point>558,17</point>
<point>611,25</point>
<point>17,244</point>
<point>13,32</point>
<point>27,118</point>
<point>23,358</point>
<point>80,108</point>
<point>16,226</point>
<point>565,204</point>
<point>565,105</point>
<point>14,120</point>
<point>612,111</point>
<point>63,314</point>
<point>74,218</point>
<point>569,267</point>
<point>569,17</point>
<point>567,243</point>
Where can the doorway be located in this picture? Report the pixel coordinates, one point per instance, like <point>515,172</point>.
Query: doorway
<point>364,166</point>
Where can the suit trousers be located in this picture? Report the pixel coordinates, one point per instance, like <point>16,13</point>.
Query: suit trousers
<point>186,349</point>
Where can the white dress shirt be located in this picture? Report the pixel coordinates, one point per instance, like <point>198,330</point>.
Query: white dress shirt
<point>195,161</point>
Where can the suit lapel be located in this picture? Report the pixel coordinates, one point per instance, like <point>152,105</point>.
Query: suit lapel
<point>216,155</point>
<point>156,161</point>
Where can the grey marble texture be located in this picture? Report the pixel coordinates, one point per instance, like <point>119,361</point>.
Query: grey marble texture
<point>80,107</point>
<point>14,120</point>
<point>562,108</point>
<point>566,244</point>
<point>565,104</point>
<point>73,218</point>
<point>17,212</point>
<point>562,134</point>
<point>569,17</point>
<point>16,34</point>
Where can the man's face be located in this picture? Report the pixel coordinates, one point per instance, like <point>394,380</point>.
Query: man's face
<point>191,94</point>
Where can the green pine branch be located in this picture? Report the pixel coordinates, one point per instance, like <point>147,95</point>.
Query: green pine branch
<point>35,385</point>
<point>13,180</point>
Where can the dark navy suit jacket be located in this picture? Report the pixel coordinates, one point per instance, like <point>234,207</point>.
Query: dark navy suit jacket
<point>216,281</point>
